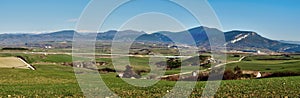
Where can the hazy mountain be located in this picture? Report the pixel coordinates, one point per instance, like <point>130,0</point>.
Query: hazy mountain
<point>290,42</point>
<point>198,34</point>
<point>235,40</point>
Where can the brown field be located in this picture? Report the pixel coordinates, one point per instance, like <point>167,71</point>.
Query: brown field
<point>12,62</point>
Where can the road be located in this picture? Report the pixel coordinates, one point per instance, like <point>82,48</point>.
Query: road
<point>219,65</point>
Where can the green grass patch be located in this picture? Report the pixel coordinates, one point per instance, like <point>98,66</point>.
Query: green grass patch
<point>47,81</point>
<point>268,64</point>
<point>59,81</point>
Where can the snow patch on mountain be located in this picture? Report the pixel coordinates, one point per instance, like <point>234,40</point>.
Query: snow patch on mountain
<point>239,38</point>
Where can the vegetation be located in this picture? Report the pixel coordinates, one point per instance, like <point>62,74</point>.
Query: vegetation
<point>9,48</point>
<point>36,58</point>
<point>48,81</point>
<point>173,63</point>
<point>59,81</point>
<point>53,80</point>
<point>268,64</point>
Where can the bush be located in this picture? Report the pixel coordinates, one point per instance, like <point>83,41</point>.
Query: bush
<point>173,63</point>
<point>229,75</point>
<point>107,70</point>
<point>9,48</point>
<point>171,78</point>
<point>236,55</point>
<point>202,77</point>
<point>268,68</point>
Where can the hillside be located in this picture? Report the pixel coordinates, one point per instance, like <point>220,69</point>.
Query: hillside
<point>235,40</point>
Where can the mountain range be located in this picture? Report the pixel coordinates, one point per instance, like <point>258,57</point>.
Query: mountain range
<point>235,40</point>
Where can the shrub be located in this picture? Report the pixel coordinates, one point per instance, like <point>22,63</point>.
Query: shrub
<point>172,78</point>
<point>107,70</point>
<point>9,48</point>
<point>236,55</point>
<point>268,68</point>
<point>237,68</point>
<point>202,77</point>
<point>229,75</point>
<point>173,63</point>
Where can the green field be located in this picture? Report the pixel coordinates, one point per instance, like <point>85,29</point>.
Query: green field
<point>261,63</point>
<point>54,80</point>
<point>59,81</point>
<point>48,80</point>
<point>36,58</point>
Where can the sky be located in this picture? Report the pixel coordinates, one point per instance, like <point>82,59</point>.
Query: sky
<point>275,19</point>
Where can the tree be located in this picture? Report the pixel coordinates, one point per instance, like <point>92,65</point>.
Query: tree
<point>237,68</point>
<point>229,75</point>
<point>204,61</point>
<point>238,71</point>
<point>173,63</point>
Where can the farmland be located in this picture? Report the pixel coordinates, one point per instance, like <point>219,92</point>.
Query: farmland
<point>268,64</point>
<point>59,81</point>
<point>51,79</point>
<point>12,62</point>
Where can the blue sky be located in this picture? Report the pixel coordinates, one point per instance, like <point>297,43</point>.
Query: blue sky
<point>276,19</point>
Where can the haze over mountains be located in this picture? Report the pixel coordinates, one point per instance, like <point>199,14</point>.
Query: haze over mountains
<point>235,40</point>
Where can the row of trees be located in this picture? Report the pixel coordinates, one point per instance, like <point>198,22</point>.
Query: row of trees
<point>195,61</point>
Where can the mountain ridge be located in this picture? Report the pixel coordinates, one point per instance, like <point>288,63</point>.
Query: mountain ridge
<point>235,39</point>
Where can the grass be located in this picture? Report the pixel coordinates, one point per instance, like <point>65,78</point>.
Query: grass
<point>270,87</point>
<point>59,81</point>
<point>138,63</point>
<point>58,58</point>
<point>35,58</point>
<point>232,58</point>
<point>255,63</point>
<point>47,81</point>
<point>261,63</point>
<point>183,69</point>
<point>268,66</point>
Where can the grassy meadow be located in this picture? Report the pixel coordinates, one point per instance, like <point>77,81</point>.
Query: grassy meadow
<point>269,64</point>
<point>53,80</point>
<point>59,81</point>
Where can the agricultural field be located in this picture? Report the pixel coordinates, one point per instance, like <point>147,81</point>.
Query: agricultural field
<point>60,81</point>
<point>37,58</point>
<point>47,80</point>
<point>269,63</point>
<point>12,62</point>
<point>53,80</point>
